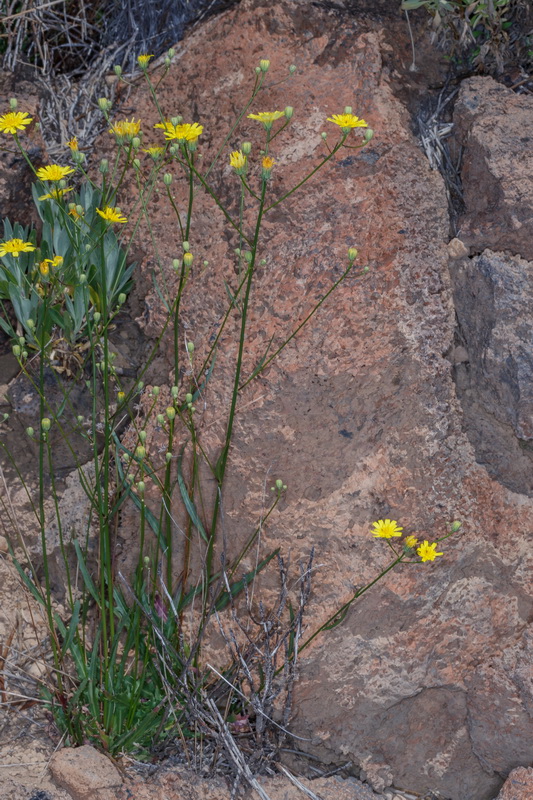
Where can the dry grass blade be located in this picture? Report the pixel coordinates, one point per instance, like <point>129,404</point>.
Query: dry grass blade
<point>299,785</point>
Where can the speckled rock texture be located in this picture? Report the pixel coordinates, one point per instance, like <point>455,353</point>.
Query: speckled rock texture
<point>518,786</point>
<point>426,683</point>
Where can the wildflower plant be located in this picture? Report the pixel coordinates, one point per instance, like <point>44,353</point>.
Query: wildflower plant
<point>128,668</point>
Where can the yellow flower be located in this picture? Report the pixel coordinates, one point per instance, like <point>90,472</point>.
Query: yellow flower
<point>183,133</point>
<point>73,143</point>
<point>154,152</point>
<point>347,121</point>
<point>55,194</point>
<point>386,529</point>
<point>15,246</point>
<point>237,160</point>
<point>14,121</point>
<point>44,266</point>
<point>121,396</point>
<point>267,117</point>
<point>410,541</point>
<point>111,214</point>
<point>53,172</point>
<point>74,213</point>
<point>268,162</point>
<point>143,60</point>
<point>125,129</point>
<point>427,552</point>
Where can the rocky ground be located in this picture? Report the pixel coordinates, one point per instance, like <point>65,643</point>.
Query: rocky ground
<point>408,398</point>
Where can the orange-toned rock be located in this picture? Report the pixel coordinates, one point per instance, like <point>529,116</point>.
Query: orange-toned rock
<point>518,786</point>
<point>425,680</point>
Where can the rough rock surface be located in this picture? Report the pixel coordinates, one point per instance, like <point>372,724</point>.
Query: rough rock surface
<point>426,680</point>
<point>494,126</point>
<point>518,786</point>
<point>85,773</point>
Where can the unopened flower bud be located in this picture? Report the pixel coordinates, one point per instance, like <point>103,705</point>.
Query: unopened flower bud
<point>121,299</point>
<point>104,104</point>
<point>140,386</point>
<point>176,120</point>
<point>247,256</point>
<point>347,109</point>
<point>289,111</point>
<point>79,209</point>
<point>117,70</point>
<point>176,264</point>
<point>121,396</point>
<point>16,350</point>
<point>155,391</point>
<point>167,178</point>
<point>135,142</point>
<point>190,347</point>
<point>264,64</point>
<point>171,413</point>
<point>292,69</point>
<point>171,52</point>
<point>82,278</point>
<point>369,134</point>
<point>30,431</point>
<point>324,135</point>
<point>188,398</point>
<point>258,70</point>
<point>246,148</point>
<point>454,527</point>
<point>279,484</point>
<point>13,103</point>
<point>142,436</point>
<point>79,419</point>
<point>97,317</point>
<point>167,62</point>
<point>104,166</point>
<point>45,424</point>
<point>168,457</point>
<point>136,163</point>
<point>160,419</point>
<point>188,259</point>
<point>352,253</point>
<point>141,486</point>
<point>186,247</point>
<point>140,451</point>
<point>174,391</point>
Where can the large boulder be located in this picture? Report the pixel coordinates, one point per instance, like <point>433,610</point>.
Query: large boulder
<point>425,683</point>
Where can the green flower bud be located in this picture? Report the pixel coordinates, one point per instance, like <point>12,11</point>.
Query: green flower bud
<point>174,149</point>
<point>30,324</point>
<point>135,142</point>
<point>130,477</point>
<point>186,247</point>
<point>289,111</point>
<point>21,340</point>
<point>167,178</point>
<point>171,413</point>
<point>168,457</point>
<point>352,253</point>
<point>257,70</point>
<point>279,484</point>
<point>188,259</point>
<point>141,486</point>
<point>237,251</point>
<point>455,526</point>
<point>146,560</point>
<point>292,69</point>
<point>142,436</point>
<point>30,431</point>
<point>136,164</point>
<point>192,146</point>
<point>104,104</point>
<point>78,157</point>
<point>264,64</point>
<point>121,299</point>
<point>24,354</point>
<point>104,166</point>
<point>79,419</point>
<point>80,209</point>
<point>263,262</point>
<point>62,184</point>
<point>176,120</point>
<point>324,135</point>
<point>167,62</point>
<point>140,386</point>
<point>117,70</point>
<point>205,263</point>
<point>155,391</point>
<point>13,103</point>
<point>16,350</point>
<point>369,134</point>
<point>246,148</point>
<point>188,398</point>
<point>174,391</point>
<point>247,256</point>
<point>97,317</point>
<point>176,263</point>
<point>190,347</point>
<point>347,109</point>
<point>82,278</point>
<point>140,451</point>
<point>45,424</point>
<point>171,52</point>
<point>160,419</point>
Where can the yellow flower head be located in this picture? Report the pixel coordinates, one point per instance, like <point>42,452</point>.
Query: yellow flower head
<point>125,129</point>
<point>14,121</point>
<point>15,246</point>
<point>268,162</point>
<point>267,117</point>
<point>55,194</point>
<point>237,160</point>
<point>74,213</point>
<point>183,133</point>
<point>154,152</point>
<point>386,529</point>
<point>111,214</point>
<point>143,60</point>
<point>427,552</point>
<point>73,143</point>
<point>44,266</point>
<point>347,122</point>
<point>410,541</point>
<point>53,172</point>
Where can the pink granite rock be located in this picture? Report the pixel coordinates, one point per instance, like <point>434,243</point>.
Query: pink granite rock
<point>518,786</point>
<point>85,773</point>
